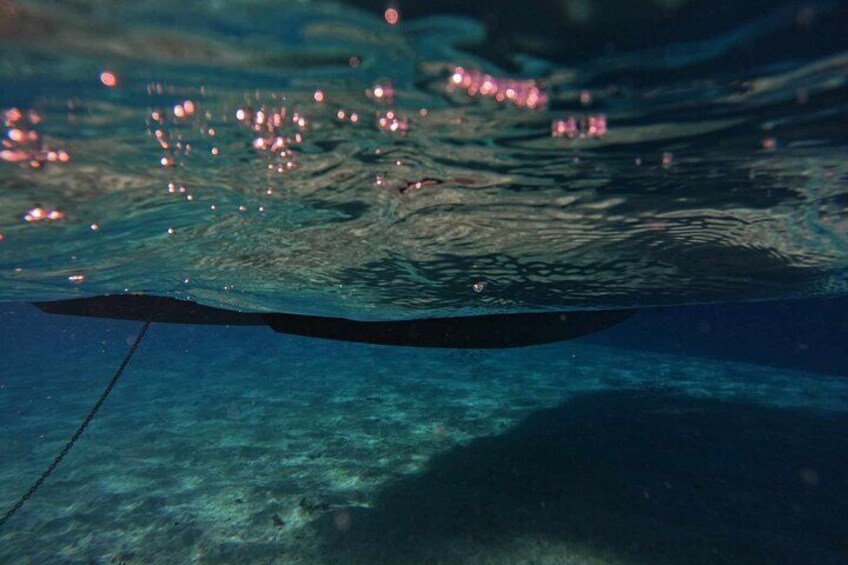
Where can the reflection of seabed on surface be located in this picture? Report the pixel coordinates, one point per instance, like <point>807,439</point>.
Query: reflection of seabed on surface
<point>359,173</point>
<point>281,449</point>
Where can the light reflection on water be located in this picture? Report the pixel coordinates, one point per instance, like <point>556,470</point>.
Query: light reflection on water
<point>317,158</point>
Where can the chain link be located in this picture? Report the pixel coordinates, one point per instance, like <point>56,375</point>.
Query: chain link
<point>70,443</point>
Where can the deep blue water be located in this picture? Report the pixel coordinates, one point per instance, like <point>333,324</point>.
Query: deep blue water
<point>807,335</point>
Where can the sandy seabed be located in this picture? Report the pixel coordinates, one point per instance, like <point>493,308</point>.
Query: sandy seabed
<point>237,445</point>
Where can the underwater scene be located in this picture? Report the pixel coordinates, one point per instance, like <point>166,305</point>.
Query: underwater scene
<point>495,282</point>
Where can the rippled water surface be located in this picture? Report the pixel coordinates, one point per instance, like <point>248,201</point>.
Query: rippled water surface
<point>310,157</point>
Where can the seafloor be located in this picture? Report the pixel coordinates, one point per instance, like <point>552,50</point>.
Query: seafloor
<point>237,445</point>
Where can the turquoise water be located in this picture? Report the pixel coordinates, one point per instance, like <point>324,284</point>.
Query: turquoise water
<point>276,449</point>
<point>683,158</point>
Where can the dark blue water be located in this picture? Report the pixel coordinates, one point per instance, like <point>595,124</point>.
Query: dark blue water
<point>682,159</point>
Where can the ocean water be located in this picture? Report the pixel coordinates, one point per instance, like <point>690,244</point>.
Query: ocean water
<point>685,159</point>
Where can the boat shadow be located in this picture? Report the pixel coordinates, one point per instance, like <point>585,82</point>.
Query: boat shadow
<point>644,476</point>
